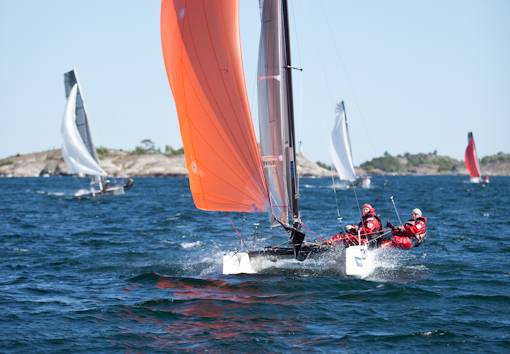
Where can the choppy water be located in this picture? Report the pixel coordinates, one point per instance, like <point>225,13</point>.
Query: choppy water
<point>141,273</point>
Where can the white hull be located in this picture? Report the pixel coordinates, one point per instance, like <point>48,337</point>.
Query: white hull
<point>114,190</point>
<point>237,263</point>
<point>358,262</point>
<point>478,180</point>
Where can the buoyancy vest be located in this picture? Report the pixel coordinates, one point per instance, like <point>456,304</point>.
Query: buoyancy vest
<point>420,237</point>
<point>377,232</point>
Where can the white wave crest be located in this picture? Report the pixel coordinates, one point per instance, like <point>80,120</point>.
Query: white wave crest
<point>191,244</point>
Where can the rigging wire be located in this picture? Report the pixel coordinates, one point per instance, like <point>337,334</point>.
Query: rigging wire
<point>262,240</point>
<point>339,218</point>
<point>347,76</point>
<point>238,234</point>
<point>300,92</point>
<point>320,55</point>
<point>76,178</point>
<point>387,186</point>
<point>310,22</point>
<point>300,121</point>
<point>301,78</point>
<point>307,10</point>
<point>302,223</point>
<point>357,105</point>
<point>326,138</point>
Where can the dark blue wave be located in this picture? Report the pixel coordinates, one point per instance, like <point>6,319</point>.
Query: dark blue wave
<point>142,273</point>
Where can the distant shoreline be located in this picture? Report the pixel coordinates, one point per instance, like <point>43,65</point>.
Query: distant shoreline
<point>122,164</point>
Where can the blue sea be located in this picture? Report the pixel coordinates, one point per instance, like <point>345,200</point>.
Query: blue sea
<point>141,273</point>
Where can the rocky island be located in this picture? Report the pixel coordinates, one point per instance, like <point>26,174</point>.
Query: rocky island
<point>119,163</point>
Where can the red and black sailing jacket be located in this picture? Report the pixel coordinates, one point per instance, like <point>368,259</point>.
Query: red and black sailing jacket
<point>416,230</point>
<point>370,225</point>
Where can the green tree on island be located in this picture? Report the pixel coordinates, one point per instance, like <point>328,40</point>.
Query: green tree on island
<point>102,152</point>
<point>387,163</point>
<point>172,152</point>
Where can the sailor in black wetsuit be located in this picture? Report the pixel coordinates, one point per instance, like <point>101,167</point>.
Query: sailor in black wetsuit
<point>129,184</point>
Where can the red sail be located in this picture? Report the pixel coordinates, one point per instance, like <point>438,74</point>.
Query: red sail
<point>471,159</point>
<point>202,54</point>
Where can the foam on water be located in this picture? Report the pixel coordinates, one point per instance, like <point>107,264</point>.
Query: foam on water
<point>191,244</point>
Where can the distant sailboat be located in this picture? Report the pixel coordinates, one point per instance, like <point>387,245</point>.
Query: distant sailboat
<point>472,160</point>
<point>227,172</point>
<point>340,149</point>
<point>77,146</point>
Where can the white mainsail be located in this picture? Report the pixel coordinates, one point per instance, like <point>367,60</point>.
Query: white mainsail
<point>75,153</point>
<point>82,123</point>
<point>340,147</point>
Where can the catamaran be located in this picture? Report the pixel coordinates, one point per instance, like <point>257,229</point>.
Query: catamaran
<point>472,161</point>
<point>341,152</point>
<point>227,171</point>
<point>77,146</point>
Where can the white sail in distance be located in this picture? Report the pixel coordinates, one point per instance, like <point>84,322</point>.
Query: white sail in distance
<point>75,153</point>
<point>340,147</point>
<point>82,123</point>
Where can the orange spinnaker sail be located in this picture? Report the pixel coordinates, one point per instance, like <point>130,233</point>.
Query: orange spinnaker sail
<point>471,159</point>
<point>202,53</point>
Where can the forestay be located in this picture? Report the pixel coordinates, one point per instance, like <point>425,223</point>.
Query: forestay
<point>340,146</point>
<point>202,54</point>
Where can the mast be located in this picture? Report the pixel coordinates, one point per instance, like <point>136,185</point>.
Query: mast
<point>293,195</point>
<point>296,235</point>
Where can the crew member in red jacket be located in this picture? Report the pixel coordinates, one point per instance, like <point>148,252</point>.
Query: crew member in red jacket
<point>370,227</point>
<point>412,234</point>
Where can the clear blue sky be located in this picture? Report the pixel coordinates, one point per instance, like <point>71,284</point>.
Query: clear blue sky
<point>416,76</point>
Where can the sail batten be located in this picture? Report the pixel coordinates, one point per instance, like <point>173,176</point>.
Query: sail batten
<point>201,50</point>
